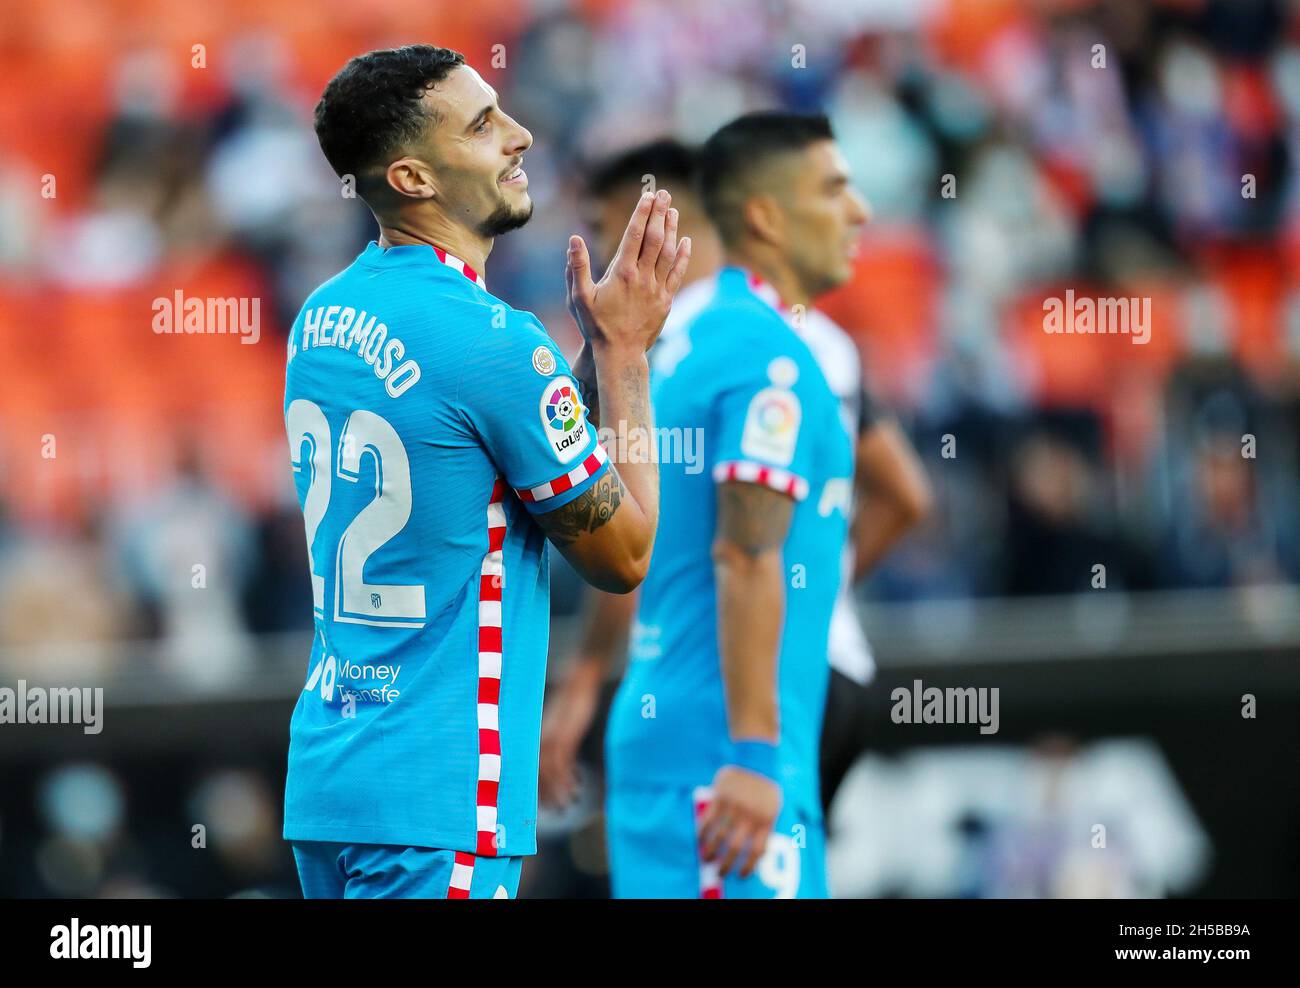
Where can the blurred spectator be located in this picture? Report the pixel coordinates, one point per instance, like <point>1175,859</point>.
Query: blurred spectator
<point>188,552</point>
<point>1221,538</point>
<point>61,604</point>
<point>240,821</point>
<point>1055,540</point>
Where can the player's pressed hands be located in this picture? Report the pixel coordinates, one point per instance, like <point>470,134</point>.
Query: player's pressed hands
<point>607,533</point>
<point>627,307</point>
<point>733,830</point>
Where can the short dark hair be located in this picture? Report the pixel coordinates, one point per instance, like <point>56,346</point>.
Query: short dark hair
<point>667,159</point>
<point>373,107</point>
<point>740,148</point>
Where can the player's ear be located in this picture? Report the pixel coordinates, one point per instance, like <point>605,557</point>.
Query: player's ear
<point>764,218</point>
<point>411,178</point>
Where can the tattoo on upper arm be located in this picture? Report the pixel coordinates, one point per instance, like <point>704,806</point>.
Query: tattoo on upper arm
<point>586,512</point>
<point>753,518</point>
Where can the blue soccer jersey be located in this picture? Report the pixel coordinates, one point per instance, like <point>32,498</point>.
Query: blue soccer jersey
<point>744,377</point>
<point>427,421</point>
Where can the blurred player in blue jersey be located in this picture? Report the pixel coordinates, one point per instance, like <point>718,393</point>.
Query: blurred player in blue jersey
<point>438,438</point>
<point>891,492</point>
<point>607,619</point>
<point>712,741</point>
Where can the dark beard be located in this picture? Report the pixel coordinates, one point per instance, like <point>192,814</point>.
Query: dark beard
<point>504,219</point>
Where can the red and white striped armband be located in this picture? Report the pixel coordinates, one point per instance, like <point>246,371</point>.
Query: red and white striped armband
<point>566,481</point>
<point>749,472</point>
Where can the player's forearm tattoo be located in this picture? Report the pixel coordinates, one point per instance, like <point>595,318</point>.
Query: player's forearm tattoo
<point>586,512</point>
<point>754,519</point>
<point>634,390</point>
<point>629,383</point>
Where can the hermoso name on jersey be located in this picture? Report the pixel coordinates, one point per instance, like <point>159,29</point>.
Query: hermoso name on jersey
<point>345,327</point>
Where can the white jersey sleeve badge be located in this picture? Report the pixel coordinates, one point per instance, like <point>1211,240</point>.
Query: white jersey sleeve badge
<point>544,361</point>
<point>772,427</point>
<point>564,420</point>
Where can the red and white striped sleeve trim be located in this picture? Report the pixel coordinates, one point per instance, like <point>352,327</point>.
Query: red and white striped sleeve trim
<point>748,472</point>
<point>566,481</point>
<point>491,579</point>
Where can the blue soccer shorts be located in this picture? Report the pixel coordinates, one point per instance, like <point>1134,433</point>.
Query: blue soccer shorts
<point>654,854</point>
<point>385,871</point>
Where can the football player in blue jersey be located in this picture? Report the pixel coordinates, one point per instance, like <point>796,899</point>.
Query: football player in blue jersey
<point>891,491</point>
<point>438,438</point>
<point>712,742</point>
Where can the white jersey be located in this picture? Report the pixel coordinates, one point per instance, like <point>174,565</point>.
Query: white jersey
<point>837,355</point>
<point>673,344</point>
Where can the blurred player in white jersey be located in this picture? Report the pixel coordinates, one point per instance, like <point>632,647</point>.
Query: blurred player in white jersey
<point>892,493</point>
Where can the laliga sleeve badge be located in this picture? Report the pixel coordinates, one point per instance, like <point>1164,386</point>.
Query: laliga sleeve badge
<point>544,361</point>
<point>772,427</point>
<point>564,420</point>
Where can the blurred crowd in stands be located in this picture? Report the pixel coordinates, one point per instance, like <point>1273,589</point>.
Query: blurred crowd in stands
<point>1010,150</point>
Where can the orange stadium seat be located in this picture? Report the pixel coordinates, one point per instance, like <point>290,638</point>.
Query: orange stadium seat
<point>890,307</point>
<point>1066,370</point>
<point>1254,281</point>
<point>116,392</point>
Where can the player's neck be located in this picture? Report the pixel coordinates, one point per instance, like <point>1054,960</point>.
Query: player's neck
<point>434,231</point>
<point>775,272</point>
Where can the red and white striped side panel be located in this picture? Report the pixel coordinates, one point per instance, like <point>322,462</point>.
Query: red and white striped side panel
<point>462,874</point>
<point>710,880</point>
<point>565,481</point>
<point>491,580</point>
<point>747,472</point>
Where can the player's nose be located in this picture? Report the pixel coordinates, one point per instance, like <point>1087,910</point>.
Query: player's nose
<point>519,140</point>
<point>859,209</point>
